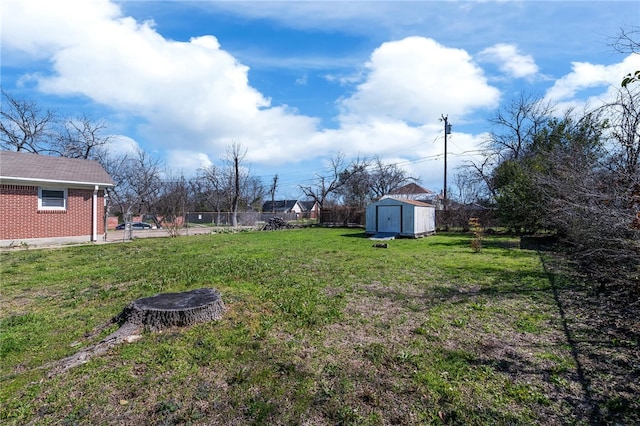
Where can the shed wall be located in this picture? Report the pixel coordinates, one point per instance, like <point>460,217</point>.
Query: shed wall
<point>424,220</point>
<point>371,219</point>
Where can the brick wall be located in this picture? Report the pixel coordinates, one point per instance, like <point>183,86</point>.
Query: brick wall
<point>21,219</point>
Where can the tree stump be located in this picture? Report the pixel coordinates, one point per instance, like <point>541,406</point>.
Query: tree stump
<point>153,313</point>
<point>167,310</point>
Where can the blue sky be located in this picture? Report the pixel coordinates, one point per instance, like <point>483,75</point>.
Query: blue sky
<point>295,83</point>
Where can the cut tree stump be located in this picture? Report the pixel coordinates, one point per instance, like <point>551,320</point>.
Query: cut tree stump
<point>155,313</point>
<point>167,310</point>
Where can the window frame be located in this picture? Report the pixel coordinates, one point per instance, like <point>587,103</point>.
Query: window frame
<point>41,204</point>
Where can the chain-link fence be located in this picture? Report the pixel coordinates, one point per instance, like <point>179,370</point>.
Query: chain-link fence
<point>342,216</point>
<point>243,218</point>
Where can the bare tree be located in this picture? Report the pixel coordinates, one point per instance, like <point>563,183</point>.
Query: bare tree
<point>212,188</point>
<point>589,202</point>
<point>514,130</point>
<point>272,192</point>
<point>516,126</point>
<point>471,187</point>
<point>252,191</point>
<point>172,203</point>
<point>80,138</point>
<point>384,178</point>
<point>144,179</point>
<point>355,184</point>
<point>623,124</point>
<point>24,125</point>
<point>324,186</point>
<point>628,41</point>
<point>138,182</point>
<point>235,158</point>
<point>229,187</point>
<point>119,195</point>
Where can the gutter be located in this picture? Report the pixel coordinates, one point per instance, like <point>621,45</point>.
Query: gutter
<point>27,181</point>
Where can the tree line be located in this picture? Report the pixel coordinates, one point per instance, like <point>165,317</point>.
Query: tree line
<point>572,174</point>
<point>144,185</point>
<point>575,175</point>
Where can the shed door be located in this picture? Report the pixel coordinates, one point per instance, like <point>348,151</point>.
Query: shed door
<point>389,219</point>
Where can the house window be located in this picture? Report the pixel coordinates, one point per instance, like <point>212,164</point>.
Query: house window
<point>52,199</point>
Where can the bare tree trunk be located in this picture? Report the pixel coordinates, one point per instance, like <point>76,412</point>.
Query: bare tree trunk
<point>236,192</point>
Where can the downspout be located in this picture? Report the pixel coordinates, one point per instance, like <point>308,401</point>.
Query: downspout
<point>94,236</point>
<point>105,218</point>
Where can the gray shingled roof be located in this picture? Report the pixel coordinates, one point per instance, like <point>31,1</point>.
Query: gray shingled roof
<point>278,205</point>
<point>45,168</point>
<point>411,189</point>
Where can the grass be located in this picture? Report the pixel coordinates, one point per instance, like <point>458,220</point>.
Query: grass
<point>320,329</point>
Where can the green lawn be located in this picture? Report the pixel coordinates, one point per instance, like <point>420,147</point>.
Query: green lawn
<point>320,329</point>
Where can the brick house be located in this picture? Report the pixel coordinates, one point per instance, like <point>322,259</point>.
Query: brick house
<point>56,199</point>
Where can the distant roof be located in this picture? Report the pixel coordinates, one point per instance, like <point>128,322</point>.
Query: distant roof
<point>279,205</point>
<point>20,166</point>
<point>308,204</point>
<point>411,189</point>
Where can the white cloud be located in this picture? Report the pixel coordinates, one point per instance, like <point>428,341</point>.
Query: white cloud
<point>187,161</point>
<point>510,60</point>
<point>416,80</point>
<point>303,80</point>
<point>376,137</point>
<point>585,76</point>
<point>194,98</point>
<point>192,95</point>
<point>122,145</point>
<point>41,28</point>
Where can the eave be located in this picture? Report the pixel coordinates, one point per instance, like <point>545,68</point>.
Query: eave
<point>10,180</point>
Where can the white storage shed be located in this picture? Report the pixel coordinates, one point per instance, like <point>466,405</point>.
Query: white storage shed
<point>404,218</point>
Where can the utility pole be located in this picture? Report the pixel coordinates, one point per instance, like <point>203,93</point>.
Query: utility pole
<point>274,186</point>
<point>447,131</point>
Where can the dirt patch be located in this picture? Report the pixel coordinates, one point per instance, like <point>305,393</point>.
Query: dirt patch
<point>603,332</point>
<point>572,365</point>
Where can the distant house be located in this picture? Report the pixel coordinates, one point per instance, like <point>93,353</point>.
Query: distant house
<point>45,198</point>
<point>282,206</point>
<point>308,209</point>
<point>411,191</point>
<point>415,192</point>
<point>311,209</point>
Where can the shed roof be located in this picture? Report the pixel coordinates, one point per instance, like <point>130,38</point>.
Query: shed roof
<point>403,201</point>
<point>20,166</point>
